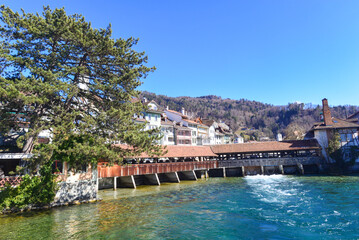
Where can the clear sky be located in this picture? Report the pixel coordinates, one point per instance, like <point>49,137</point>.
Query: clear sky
<point>270,51</point>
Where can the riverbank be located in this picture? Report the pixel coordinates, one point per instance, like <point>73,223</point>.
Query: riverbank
<point>47,206</point>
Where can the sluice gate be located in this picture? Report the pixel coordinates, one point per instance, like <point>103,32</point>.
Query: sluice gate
<point>269,166</point>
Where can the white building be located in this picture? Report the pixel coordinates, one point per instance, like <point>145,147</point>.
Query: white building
<point>168,132</point>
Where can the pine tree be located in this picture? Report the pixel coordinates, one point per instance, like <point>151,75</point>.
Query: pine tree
<point>62,75</point>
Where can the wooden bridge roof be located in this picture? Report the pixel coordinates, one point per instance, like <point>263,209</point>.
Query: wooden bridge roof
<point>173,151</point>
<point>189,151</point>
<point>272,146</point>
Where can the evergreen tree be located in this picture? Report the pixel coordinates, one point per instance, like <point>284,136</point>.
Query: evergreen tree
<point>60,74</point>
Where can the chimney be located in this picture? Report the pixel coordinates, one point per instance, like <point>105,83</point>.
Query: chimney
<point>326,113</point>
<point>183,112</point>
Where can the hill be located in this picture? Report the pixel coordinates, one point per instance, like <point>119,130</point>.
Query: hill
<point>251,118</point>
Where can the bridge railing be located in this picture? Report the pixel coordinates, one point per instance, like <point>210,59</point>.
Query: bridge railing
<point>152,168</point>
<point>269,162</point>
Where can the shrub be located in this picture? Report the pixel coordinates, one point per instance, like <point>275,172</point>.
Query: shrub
<point>33,190</point>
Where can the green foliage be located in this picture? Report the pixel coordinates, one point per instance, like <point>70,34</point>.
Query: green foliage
<point>61,75</point>
<point>334,149</point>
<point>33,190</point>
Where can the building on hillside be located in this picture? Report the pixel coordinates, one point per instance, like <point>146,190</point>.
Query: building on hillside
<point>212,135</point>
<point>238,139</point>
<point>185,129</point>
<point>183,135</point>
<point>228,134</point>
<point>222,133</point>
<point>168,131</point>
<point>203,134</point>
<point>194,130</point>
<point>152,115</point>
<point>324,130</point>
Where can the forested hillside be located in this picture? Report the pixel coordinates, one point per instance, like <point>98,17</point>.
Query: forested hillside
<point>251,118</point>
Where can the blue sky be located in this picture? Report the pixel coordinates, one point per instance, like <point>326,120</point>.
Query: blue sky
<point>270,51</point>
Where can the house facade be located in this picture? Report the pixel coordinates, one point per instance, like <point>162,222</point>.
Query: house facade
<point>324,130</point>
<point>168,132</point>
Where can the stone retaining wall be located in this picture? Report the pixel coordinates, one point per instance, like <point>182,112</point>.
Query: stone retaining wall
<point>68,192</point>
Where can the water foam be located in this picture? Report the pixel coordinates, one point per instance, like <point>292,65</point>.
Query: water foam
<point>272,188</point>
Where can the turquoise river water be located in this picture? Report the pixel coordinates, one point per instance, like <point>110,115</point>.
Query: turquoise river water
<point>254,207</point>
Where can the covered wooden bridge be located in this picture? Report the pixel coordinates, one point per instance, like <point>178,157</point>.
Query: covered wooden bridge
<point>191,162</point>
<point>270,157</point>
<point>178,163</point>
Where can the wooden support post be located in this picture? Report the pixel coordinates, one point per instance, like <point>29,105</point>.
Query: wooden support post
<point>262,170</point>
<point>128,181</point>
<point>206,174</point>
<point>194,175</point>
<point>97,184</point>
<point>301,168</point>
<point>152,179</point>
<point>281,169</point>
<point>158,179</point>
<point>133,181</point>
<point>243,171</point>
<point>114,183</point>
<point>224,172</point>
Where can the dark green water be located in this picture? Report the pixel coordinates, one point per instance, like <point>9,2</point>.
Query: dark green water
<point>258,207</point>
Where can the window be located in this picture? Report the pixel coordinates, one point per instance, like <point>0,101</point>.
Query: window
<point>343,137</point>
<point>346,137</point>
<point>349,137</point>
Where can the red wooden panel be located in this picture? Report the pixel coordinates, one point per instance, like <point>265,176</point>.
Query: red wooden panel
<point>141,169</point>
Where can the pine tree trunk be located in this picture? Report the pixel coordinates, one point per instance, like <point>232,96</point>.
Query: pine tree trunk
<point>29,145</point>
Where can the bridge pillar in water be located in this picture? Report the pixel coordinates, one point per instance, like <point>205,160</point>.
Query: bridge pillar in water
<point>243,171</point>
<point>224,172</point>
<point>114,183</point>
<point>300,168</point>
<point>281,169</point>
<point>262,170</point>
<point>128,181</point>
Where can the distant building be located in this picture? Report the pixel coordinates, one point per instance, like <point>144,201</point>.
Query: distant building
<point>238,139</point>
<point>168,132</point>
<point>183,135</point>
<point>279,137</point>
<point>324,130</point>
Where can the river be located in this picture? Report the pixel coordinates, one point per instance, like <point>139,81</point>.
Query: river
<point>253,207</point>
